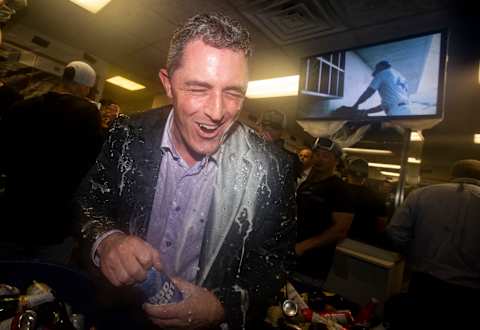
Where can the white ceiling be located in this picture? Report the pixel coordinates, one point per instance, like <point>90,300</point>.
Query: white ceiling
<point>132,36</point>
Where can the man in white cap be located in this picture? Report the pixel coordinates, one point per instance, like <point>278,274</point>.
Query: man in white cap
<point>53,139</point>
<point>78,78</point>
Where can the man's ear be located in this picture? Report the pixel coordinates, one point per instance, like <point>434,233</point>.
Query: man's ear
<point>167,85</point>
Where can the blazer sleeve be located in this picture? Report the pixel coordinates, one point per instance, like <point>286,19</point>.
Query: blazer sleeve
<point>99,193</point>
<point>270,253</point>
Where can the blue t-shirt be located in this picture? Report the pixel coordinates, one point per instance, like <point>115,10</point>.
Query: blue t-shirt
<point>392,87</point>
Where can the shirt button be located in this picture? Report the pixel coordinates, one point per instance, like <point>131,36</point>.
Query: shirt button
<point>177,208</point>
<point>202,220</point>
<point>168,243</point>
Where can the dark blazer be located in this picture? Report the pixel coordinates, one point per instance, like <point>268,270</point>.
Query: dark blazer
<point>250,232</point>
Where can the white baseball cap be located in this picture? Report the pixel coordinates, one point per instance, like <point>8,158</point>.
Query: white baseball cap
<point>84,73</point>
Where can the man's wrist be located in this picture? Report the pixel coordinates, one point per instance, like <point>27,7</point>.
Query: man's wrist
<point>95,251</point>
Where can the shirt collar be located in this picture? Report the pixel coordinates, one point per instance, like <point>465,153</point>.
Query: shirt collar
<point>167,144</point>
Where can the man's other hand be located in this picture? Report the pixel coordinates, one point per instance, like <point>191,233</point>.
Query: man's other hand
<point>199,309</point>
<point>125,259</point>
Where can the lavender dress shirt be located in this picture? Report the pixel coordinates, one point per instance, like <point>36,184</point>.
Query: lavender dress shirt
<point>180,208</point>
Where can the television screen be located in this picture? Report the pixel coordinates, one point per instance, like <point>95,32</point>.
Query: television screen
<point>400,79</point>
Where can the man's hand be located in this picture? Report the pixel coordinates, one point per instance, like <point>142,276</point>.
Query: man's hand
<point>300,248</point>
<point>126,259</point>
<point>199,309</point>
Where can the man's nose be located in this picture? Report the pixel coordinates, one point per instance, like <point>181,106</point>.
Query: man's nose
<point>215,109</point>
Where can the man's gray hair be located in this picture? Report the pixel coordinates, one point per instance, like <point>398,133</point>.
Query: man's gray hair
<point>214,29</point>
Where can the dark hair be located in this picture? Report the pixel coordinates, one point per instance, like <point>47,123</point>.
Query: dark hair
<point>68,74</point>
<point>466,168</point>
<point>106,102</point>
<point>214,29</point>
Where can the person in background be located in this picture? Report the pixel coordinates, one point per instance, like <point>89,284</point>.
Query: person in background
<point>437,227</point>
<point>109,111</point>
<point>324,212</point>
<point>189,190</point>
<point>10,88</point>
<point>272,127</point>
<point>369,209</point>
<point>305,157</point>
<point>48,144</point>
<point>393,89</point>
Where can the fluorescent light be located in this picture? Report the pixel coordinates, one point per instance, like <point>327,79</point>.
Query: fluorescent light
<point>368,151</point>
<point>389,173</point>
<point>93,6</point>
<point>416,136</point>
<point>476,138</point>
<point>413,160</point>
<point>125,83</point>
<point>382,165</point>
<point>275,87</point>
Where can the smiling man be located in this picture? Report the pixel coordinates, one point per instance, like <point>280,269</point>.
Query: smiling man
<point>192,192</point>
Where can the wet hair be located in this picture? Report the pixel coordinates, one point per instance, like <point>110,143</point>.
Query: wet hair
<point>214,29</point>
<point>466,168</point>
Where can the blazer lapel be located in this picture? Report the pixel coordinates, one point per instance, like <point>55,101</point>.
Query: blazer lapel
<point>231,185</point>
<point>150,155</point>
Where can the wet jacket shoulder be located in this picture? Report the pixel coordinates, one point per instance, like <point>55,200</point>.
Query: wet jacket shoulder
<point>259,246</point>
<point>119,185</point>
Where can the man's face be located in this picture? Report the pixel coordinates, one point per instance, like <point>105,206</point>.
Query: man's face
<point>108,114</point>
<point>305,156</point>
<point>207,91</point>
<point>324,160</point>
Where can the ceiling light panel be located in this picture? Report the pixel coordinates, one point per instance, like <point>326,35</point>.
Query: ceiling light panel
<point>368,151</point>
<point>275,87</point>
<point>93,6</point>
<point>125,83</point>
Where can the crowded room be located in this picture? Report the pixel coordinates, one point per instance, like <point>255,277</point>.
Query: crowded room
<point>239,164</point>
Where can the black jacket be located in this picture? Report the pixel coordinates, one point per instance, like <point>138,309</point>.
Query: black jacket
<point>250,231</point>
<point>48,144</point>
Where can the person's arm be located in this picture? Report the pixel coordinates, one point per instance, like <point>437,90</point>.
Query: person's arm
<point>399,232</point>
<point>334,234</point>
<point>365,96</point>
<point>97,197</point>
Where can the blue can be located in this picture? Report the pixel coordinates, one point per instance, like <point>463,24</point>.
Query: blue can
<point>159,289</point>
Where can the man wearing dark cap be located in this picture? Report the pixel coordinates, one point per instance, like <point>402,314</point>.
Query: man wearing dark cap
<point>393,89</point>
<point>324,212</point>
<point>50,143</point>
<point>438,228</point>
<point>369,209</point>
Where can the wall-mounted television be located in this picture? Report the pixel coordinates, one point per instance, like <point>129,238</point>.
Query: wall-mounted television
<point>400,79</point>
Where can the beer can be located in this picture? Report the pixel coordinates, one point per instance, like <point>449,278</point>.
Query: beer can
<point>159,289</point>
